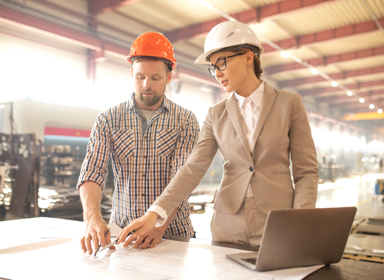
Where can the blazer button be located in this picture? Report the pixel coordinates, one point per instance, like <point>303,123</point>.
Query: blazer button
<point>251,169</point>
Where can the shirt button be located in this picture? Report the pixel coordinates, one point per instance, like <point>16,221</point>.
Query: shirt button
<point>143,175</point>
<point>144,156</point>
<point>251,169</point>
<point>145,137</point>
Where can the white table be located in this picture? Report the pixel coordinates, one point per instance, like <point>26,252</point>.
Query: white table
<point>49,248</point>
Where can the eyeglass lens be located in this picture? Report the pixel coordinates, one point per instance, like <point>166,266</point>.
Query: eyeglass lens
<point>221,64</point>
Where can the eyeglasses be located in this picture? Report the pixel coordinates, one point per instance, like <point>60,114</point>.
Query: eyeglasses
<point>221,64</point>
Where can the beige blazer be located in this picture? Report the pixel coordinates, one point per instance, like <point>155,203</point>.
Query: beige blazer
<point>282,134</point>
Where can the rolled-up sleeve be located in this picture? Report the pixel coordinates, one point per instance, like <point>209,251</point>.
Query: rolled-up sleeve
<point>95,165</point>
<point>188,139</point>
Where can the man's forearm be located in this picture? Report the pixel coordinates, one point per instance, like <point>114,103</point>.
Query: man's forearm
<point>90,195</point>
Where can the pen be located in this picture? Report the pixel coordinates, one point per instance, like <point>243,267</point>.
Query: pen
<point>114,242</point>
<point>98,248</point>
<point>109,245</point>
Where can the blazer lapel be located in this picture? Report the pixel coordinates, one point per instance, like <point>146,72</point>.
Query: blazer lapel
<point>268,99</point>
<point>237,121</point>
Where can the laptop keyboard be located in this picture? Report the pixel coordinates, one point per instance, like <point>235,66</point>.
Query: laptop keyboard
<point>250,260</point>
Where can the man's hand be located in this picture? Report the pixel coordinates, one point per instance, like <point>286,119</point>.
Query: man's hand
<point>143,228</point>
<point>95,229</point>
<point>95,226</point>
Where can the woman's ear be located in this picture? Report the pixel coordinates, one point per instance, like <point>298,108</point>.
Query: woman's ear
<point>250,57</point>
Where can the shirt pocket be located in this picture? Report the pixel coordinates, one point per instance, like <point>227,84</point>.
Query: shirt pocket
<point>123,143</point>
<point>166,142</point>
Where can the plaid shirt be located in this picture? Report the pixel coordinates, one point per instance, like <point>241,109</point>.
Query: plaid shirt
<point>143,161</point>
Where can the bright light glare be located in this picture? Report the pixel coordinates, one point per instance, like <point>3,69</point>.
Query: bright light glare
<point>284,54</point>
<point>361,100</point>
<point>380,111</point>
<point>338,194</point>
<point>314,71</point>
<point>371,106</point>
<point>372,160</point>
<point>334,84</point>
<point>349,93</point>
<point>36,72</point>
<point>41,74</point>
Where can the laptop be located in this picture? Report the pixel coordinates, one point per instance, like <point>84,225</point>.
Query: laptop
<point>301,237</point>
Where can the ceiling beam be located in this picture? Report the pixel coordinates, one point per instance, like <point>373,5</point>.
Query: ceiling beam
<point>327,91</point>
<point>325,60</point>
<point>202,29</point>
<point>325,36</point>
<point>48,4</point>
<point>371,94</point>
<point>253,15</point>
<point>357,105</point>
<point>209,80</point>
<point>362,116</point>
<point>335,76</point>
<point>78,38</point>
<point>90,20</point>
<point>96,7</point>
<point>41,26</point>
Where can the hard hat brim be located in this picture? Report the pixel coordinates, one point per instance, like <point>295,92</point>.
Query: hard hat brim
<point>131,59</point>
<point>202,59</point>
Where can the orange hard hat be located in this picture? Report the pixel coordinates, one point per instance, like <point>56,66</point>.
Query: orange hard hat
<point>152,44</point>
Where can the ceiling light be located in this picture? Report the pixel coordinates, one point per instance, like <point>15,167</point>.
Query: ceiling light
<point>380,111</point>
<point>314,71</point>
<point>349,93</point>
<point>334,84</point>
<point>371,106</point>
<point>284,54</point>
<point>361,100</point>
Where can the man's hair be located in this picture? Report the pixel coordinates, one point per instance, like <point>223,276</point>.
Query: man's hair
<point>168,67</point>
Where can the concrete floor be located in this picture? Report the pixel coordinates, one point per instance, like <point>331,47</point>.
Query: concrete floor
<point>355,191</point>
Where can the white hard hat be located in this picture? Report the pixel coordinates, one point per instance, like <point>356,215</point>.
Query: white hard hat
<point>228,34</point>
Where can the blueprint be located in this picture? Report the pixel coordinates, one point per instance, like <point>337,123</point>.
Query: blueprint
<point>62,258</point>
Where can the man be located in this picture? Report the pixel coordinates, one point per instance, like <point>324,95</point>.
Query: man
<point>148,138</point>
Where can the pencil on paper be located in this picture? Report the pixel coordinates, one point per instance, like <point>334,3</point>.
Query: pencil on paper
<point>114,242</point>
<point>98,248</point>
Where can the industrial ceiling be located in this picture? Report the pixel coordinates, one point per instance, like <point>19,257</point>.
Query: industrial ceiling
<point>324,42</point>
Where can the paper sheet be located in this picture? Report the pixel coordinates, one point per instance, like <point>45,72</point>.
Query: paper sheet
<point>26,231</point>
<point>169,260</point>
<point>115,229</point>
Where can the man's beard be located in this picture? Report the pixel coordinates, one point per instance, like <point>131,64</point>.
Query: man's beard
<point>152,100</point>
<point>149,100</point>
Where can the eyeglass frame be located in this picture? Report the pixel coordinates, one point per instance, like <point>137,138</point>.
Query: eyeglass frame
<point>213,67</point>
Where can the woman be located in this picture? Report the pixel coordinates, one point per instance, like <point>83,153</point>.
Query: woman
<point>258,130</point>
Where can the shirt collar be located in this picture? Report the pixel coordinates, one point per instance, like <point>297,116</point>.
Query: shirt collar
<point>256,96</point>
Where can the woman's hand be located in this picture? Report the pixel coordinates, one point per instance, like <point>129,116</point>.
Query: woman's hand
<point>140,229</point>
